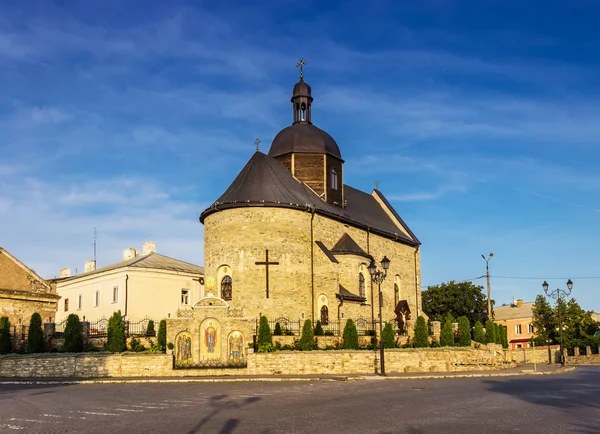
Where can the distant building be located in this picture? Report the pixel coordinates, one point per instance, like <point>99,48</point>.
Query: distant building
<point>517,317</point>
<point>23,292</point>
<point>146,284</point>
<point>596,317</point>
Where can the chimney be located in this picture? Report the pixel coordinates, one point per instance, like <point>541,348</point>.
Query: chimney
<point>65,272</point>
<point>148,247</point>
<point>129,253</point>
<point>519,303</point>
<point>89,266</point>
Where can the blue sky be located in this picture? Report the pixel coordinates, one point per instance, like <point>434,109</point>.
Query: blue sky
<point>480,120</point>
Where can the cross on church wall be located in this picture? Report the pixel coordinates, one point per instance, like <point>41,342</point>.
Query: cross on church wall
<point>266,263</point>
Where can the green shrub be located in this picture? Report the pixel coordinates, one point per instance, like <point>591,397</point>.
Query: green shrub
<point>265,340</point>
<point>421,339</point>
<point>434,343</point>
<point>329,348</point>
<point>277,346</point>
<point>503,337</point>
<point>116,339</point>
<point>170,346</point>
<point>277,331</point>
<point>161,339</point>
<point>307,341</point>
<point>478,333</point>
<point>447,335</point>
<point>350,336</point>
<point>73,335</point>
<point>490,332</point>
<point>497,334</point>
<point>464,332</point>
<point>5,345</point>
<point>328,333</point>
<point>136,345</point>
<point>408,343</point>
<point>389,337</point>
<point>35,335</point>
<point>150,329</point>
<point>287,347</point>
<point>319,329</point>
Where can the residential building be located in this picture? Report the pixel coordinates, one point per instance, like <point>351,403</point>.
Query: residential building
<point>517,317</point>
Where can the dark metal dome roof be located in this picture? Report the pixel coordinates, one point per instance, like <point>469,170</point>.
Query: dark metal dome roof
<point>301,89</point>
<point>305,138</point>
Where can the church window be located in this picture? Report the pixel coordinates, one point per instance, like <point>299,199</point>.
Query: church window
<point>361,285</point>
<point>303,112</point>
<point>66,304</point>
<point>115,294</point>
<point>97,300</point>
<point>333,183</point>
<point>324,315</point>
<point>396,292</point>
<point>226,288</point>
<point>185,296</point>
<point>80,302</point>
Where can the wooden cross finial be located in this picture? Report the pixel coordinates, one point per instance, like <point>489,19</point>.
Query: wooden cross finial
<point>376,185</point>
<point>301,64</point>
<point>256,142</point>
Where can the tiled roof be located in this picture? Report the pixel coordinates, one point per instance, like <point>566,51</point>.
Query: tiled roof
<point>344,294</point>
<point>505,313</point>
<point>346,245</point>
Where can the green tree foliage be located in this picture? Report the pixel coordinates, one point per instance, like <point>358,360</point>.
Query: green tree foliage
<point>161,339</point>
<point>350,336</point>
<point>116,339</point>
<point>319,329</point>
<point>265,340</point>
<point>456,299</point>
<point>543,321</point>
<point>503,336</point>
<point>478,333</point>
<point>497,334</point>
<point>5,345</point>
<point>150,329</point>
<point>35,335</point>
<point>389,337</point>
<point>421,336</point>
<point>307,341</point>
<point>490,332</point>
<point>73,335</point>
<point>447,335</point>
<point>464,332</point>
<point>277,331</point>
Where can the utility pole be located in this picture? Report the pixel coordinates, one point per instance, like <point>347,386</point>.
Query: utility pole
<point>487,275</point>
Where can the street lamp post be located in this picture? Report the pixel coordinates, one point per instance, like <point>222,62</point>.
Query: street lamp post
<point>559,294</point>
<point>378,277</point>
<point>487,275</point>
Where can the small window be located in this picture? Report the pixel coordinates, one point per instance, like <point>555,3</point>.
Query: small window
<point>226,288</point>
<point>115,294</point>
<point>185,296</point>
<point>518,329</point>
<point>361,285</point>
<point>519,346</point>
<point>66,304</point>
<point>97,299</point>
<point>80,302</point>
<point>334,180</point>
<point>531,330</point>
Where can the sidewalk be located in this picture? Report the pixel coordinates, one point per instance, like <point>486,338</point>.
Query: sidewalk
<point>518,371</point>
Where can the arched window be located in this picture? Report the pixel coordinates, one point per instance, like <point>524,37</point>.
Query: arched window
<point>226,288</point>
<point>324,315</point>
<point>334,179</point>
<point>361,285</point>
<point>303,112</point>
<point>396,294</point>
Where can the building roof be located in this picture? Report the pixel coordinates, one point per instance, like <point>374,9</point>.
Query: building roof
<point>36,277</point>
<point>152,260</point>
<point>346,245</point>
<point>265,181</point>
<point>344,294</point>
<point>301,89</point>
<point>304,137</point>
<point>509,312</point>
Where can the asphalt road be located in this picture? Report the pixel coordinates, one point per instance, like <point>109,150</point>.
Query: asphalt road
<point>533,404</point>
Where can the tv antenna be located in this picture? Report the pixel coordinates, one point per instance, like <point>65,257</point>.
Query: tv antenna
<point>95,239</point>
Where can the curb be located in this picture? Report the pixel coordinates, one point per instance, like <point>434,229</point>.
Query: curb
<point>479,375</point>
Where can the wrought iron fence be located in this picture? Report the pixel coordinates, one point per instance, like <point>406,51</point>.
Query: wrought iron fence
<point>364,326</point>
<point>332,328</point>
<point>288,327</point>
<point>139,328</point>
<point>99,328</point>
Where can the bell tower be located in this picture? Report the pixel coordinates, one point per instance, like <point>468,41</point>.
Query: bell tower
<point>301,98</point>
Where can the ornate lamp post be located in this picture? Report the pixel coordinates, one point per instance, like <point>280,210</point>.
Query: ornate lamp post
<point>559,294</point>
<point>487,275</point>
<point>378,277</point>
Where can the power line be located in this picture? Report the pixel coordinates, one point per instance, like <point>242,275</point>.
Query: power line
<point>460,281</point>
<point>544,278</point>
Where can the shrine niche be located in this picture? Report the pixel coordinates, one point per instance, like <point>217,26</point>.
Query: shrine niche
<point>210,339</point>
<point>183,348</point>
<point>236,347</point>
<point>402,312</point>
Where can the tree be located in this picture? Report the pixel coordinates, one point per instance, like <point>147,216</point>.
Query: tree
<point>5,344</point>
<point>73,335</point>
<point>497,333</point>
<point>265,340</point>
<point>150,329</point>
<point>319,329</point>
<point>277,331</point>
<point>421,336</point>
<point>447,335</point>
<point>307,341</point>
<point>503,336</point>
<point>389,337</point>
<point>578,325</point>
<point>161,339</point>
<point>490,332</point>
<point>35,335</point>
<point>543,321</point>
<point>456,299</point>
<point>464,332</point>
<point>116,339</point>
<point>478,333</point>
<point>350,336</point>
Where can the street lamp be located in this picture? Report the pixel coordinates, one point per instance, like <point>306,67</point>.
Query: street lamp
<point>378,277</point>
<point>487,275</point>
<point>559,294</point>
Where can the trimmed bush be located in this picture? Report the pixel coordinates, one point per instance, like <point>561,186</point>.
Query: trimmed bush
<point>464,332</point>
<point>161,339</point>
<point>265,340</point>
<point>307,341</point>
<point>389,337</point>
<point>277,331</point>
<point>319,329</point>
<point>150,329</point>
<point>73,335</point>
<point>116,339</point>
<point>497,334</point>
<point>350,336</point>
<point>478,333</point>
<point>5,345</point>
<point>447,335</point>
<point>421,336</point>
<point>503,337</point>
<point>35,335</point>
<point>490,332</point>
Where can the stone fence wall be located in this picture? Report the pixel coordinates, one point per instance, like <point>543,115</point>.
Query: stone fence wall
<point>587,358</point>
<point>537,355</point>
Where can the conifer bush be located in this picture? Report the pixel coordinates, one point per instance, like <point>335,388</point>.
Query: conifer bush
<point>161,339</point>
<point>388,336</point>
<point>5,345</point>
<point>421,335</point>
<point>350,336</point>
<point>319,329</point>
<point>116,341</point>
<point>73,335</point>
<point>35,335</point>
<point>307,341</point>
<point>277,331</point>
<point>150,329</point>
<point>265,340</point>
<point>464,332</point>
<point>503,337</point>
<point>447,335</point>
<point>478,333</point>
<point>490,332</point>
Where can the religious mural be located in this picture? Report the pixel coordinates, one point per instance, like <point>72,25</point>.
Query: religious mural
<point>236,347</point>
<point>183,348</point>
<point>210,339</point>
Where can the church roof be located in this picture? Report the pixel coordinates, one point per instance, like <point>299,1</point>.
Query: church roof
<point>304,138</point>
<point>265,181</point>
<point>344,294</point>
<point>346,245</point>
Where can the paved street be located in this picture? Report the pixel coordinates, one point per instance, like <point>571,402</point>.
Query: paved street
<point>533,404</point>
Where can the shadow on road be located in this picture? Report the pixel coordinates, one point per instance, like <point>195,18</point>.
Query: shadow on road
<point>220,403</point>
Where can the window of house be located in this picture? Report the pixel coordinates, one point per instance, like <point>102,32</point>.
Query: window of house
<point>519,346</point>
<point>361,285</point>
<point>115,294</point>
<point>518,329</point>
<point>334,179</point>
<point>185,296</point>
<point>531,328</point>
<point>97,299</point>
<point>80,301</point>
<point>226,290</point>
<point>66,304</point>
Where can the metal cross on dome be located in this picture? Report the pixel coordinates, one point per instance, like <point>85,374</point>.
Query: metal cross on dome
<point>256,142</point>
<point>301,64</point>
